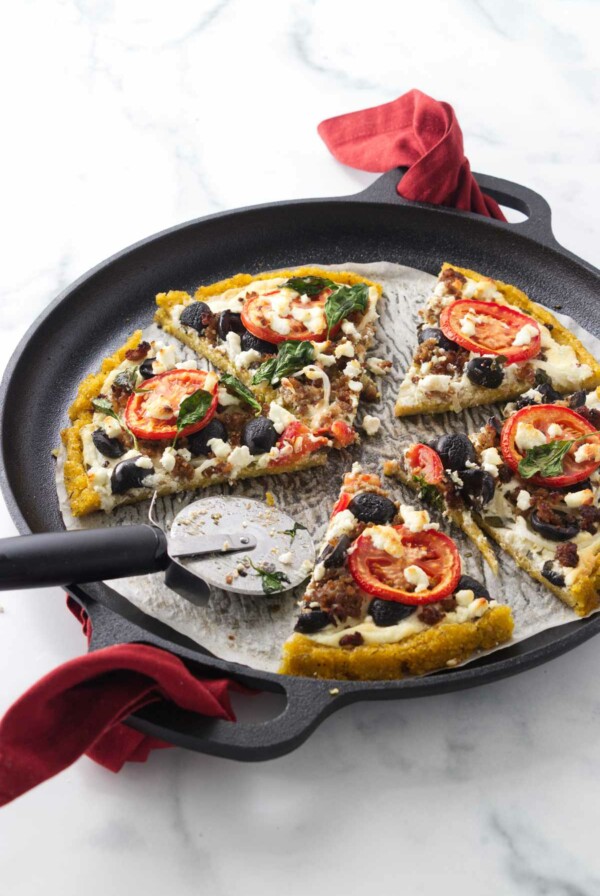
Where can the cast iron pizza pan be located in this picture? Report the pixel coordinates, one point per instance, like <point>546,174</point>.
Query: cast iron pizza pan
<point>93,316</point>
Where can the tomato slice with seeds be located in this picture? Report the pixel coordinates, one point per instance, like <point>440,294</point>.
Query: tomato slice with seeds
<point>425,462</point>
<point>258,313</point>
<point>152,413</point>
<point>542,416</point>
<point>495,328</point>
<point>303,442</point>
<point>381,574</point>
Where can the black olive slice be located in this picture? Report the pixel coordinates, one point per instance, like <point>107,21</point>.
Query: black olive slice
<point>250,341</point>
<point>487,372</point>
<point>567,529</point>
<point>554,577</point>
<point>435,333</point>
<point>468,583</point>
<point>229,322</point>
<point>369,507</point>
<point>311,620</point>
<point>333,556</point>
<point>478,487</point>
<point>198,441</point>
<point>259,435</point>
<point>455,450</point>
<point>389,612</point>
<point>128,475</point>
<point>197,316</point>
<point>107,446</point>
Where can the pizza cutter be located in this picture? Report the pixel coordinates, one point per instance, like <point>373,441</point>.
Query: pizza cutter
<point>232,543</point>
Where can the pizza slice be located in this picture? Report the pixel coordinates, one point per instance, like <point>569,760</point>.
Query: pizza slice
<point>150,420</point>
<point>387,598</point>
<point>296,338</point>
<point>530,481</point>
<point>483,341</point>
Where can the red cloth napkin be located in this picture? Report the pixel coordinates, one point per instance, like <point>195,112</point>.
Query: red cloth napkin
<point>79,708</point>
<point>415,131</point>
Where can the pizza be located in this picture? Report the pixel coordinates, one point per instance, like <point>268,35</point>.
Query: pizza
<point>151,421</point>
<point>530,481</point>
<point>483,341</point>
<point>388,598</point>
<point>297,338</point>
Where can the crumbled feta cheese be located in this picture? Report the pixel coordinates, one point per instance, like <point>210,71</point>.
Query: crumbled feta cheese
<point>467,325</point>
<point>99,476</point>
<point>350,330</point>
<point>226,399</point>
<point>583,498</point>
<point>322,357</point>
<point>286,558</point>
<point>318,572</point>
<point>464,597</point>
<point>165,359</point>
<point>416,520</point>
<point>527,437</point>
<point>111,427</point>
<point>167,459</point>
<point>523,500</point>
<point>378,366</point>
<point>342,523</point>
<point>187,365</point>
<point>219,447</point>
<point>555,431</point>
<point>587,453</point>
<point>280,325</point>
<point>145,463</point>
<point>233,344</point>
<point>239,458</point>
<point>435,382</point>
<point>526,334</point>
<point>352,369</point>
<point>593,399</point>
<point>245,359</point>
<point>371,425</point>
<point>416,576</point>
<point>345,349</point>
<point>386,538</point>
<point>280,417</point>
<point>491,456</point>
<point>355,385</point>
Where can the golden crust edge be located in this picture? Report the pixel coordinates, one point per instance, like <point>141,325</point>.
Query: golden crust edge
<point>516,297</point>
<point>417,655</point>
<point>82,497</point>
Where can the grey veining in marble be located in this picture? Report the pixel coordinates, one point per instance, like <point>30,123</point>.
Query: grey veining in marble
<point>122,117</point>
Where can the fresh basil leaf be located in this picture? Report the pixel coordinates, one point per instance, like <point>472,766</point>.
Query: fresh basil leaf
<point>192,409</point>
<point>344,301</point>
<point>428,492</point>
<point>293,532</point>
<point>104,405</point>
<point>309,286</point>
<point>232,384</point>
<point>547,460</point>
<point>291,357</point>
<point>271,581</point>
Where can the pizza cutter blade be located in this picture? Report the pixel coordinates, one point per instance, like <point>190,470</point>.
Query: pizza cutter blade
<point>282,555</point>
<point>233,543</point>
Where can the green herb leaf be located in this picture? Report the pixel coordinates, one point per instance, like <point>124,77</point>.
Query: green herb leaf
<point>291,357</point>
<point>548,460</point>
<point>428,492</point>
<point>293,532</point>
<point>309,286</point>
<point>192,409</point>
<point>104,405</point>
<point>342,303</point>
<point>232,384</point>
<point>271,581</point>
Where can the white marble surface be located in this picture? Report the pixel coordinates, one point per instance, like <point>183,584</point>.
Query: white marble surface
<point>121,118</point>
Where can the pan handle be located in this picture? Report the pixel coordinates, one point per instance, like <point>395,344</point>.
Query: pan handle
<point>85,555</point>
<point>308,704</point>
<point>505,192</point>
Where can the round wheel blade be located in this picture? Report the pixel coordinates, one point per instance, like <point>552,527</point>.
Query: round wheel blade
<point>282,547</point>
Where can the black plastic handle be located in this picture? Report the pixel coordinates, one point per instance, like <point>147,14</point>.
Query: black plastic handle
<point>505,192</point>
<point>85,555</point>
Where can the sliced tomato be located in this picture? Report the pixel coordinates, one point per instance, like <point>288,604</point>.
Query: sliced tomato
<point>341,504</point>
<point>542,416</point>
<point>152,413</point>
<point>382,575</point>
<point>342,432</point>
<point>425,462</point>
<point>302,441</point>
<point>495,329</point>
<point>258,312</point>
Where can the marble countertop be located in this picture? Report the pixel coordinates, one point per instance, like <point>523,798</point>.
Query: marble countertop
<point>122,118</point>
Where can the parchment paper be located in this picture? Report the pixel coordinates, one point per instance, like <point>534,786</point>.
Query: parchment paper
<point>252,630</point>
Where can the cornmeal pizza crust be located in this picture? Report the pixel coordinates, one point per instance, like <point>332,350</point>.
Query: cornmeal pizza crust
<point>419,654</point>
<point>202,346</point>
<point>582,596</point>
<point>482,396</point>
<point>83,499</point>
